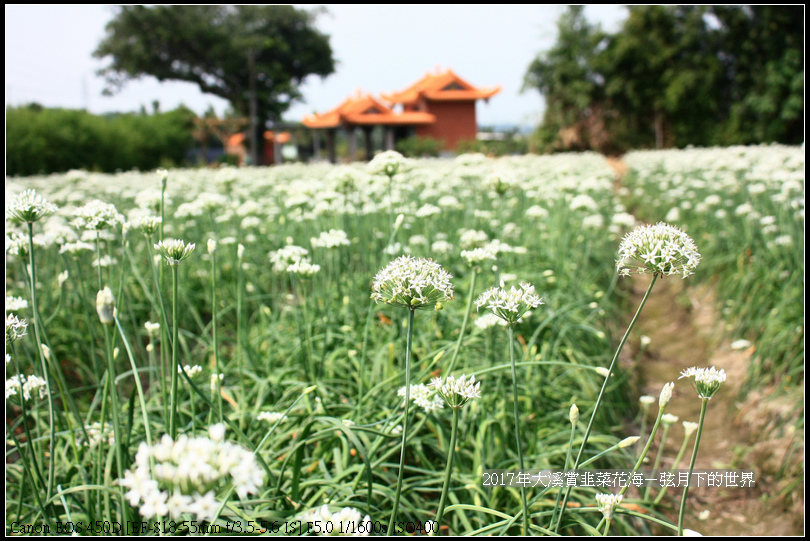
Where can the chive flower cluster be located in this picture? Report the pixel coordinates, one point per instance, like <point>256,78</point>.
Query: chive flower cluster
<point>424,397</point>
<point>457,391</point>
<point>28,386</point>
<point>509,305</point>
<point>293,259</point>
<point>707,380</point>
<point>174,251</point>
<point>657,249</point>
<point>28,207</point>
<point>15,328</point>
<point>186,474</point>
<point>347,521</point>
<point>607,503</point>
<point>412,282</point>
<point>97,216</point>
<point>387,163</point>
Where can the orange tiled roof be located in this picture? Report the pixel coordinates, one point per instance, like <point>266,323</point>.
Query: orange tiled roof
<point>441,86</point>
<point>363,109</point>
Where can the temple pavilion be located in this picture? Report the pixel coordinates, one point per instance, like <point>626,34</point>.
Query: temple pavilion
<point>441,105</point>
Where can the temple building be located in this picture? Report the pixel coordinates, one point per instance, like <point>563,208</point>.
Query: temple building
<point>440,105</point>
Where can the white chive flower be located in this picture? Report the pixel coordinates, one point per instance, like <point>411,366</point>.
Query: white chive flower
<point>476,256</point>
<point>657,249</point>
<point>457,391</point>
<point>289,255</point>
<point>96,435</point>
<point>15,328</point>
<point>330,239</point>
<point>607,503</point>
<point>424,397</point>
<point>28,386</point>
<point>172,478</point>
<point>271,417</point>
<point>28,207</point>
<point>387,163</point>
<point>509,305</point>
<point>412,282</point>
<point>149,225</point>
<point>689,428</point>
<point>347,521</point>
<point>174,251</point>
<point>190,370</point>
<point>97,216</point>
<point>707,380</point>
<point>14,304</point>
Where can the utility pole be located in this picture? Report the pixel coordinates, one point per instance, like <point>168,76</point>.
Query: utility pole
<point>254,154</point>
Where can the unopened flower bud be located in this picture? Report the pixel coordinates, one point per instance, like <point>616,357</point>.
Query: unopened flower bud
<point>666,395</point>
<point>689,428</point>
<point>116,351</point>
<point>212,246</point>
<point>240,252</point>
<point>628,442</point>
<point>398,222</point>
<point>105,306</point>
<point>46,352</point>
<point>602,371</point>
<point>646,401</point>
<point>573,414</point>
<point>163,175</point>
<point>62,278</point>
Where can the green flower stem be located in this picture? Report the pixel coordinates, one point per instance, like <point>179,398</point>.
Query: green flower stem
<point>567,459</point>
<point>463,323</point>
<point>602,391</point>
<point>517,427</point>
<point>658,455</point>
<point>682,513</point>
<point>645,408</point>
<point>448,471</point>
<point>646,449</point>
<point>119,435</point>
<point>138,385</point>
<point>164,336</point>
<point>43,362</point>
<point>173,398</point>
<point>98,260</point>
<point>408,345</point>
<point>214,318</point>
<point>678,458</point>
<point>302,330</point>
<point>607,527</point>
<point>239,287</point>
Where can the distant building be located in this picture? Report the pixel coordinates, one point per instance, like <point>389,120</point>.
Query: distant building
<point>235,146</point>
<point>441,105</point>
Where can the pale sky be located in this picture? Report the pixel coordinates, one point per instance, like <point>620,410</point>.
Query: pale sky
<point>378,48</point>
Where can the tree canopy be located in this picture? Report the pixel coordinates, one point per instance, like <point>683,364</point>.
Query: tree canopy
<point>674,76</point>
<point>225,50</point>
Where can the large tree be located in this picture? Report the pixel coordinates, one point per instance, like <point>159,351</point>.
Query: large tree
<point>253,56</point>
<point>565,76</point>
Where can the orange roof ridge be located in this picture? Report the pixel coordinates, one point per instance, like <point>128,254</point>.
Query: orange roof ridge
<point>435,87</point>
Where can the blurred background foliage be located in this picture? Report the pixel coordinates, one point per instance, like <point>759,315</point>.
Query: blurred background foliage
<point>673,76</point>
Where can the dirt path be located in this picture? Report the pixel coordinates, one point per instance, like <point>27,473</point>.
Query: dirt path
<point>741,432</point>
<point>683,327</point>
